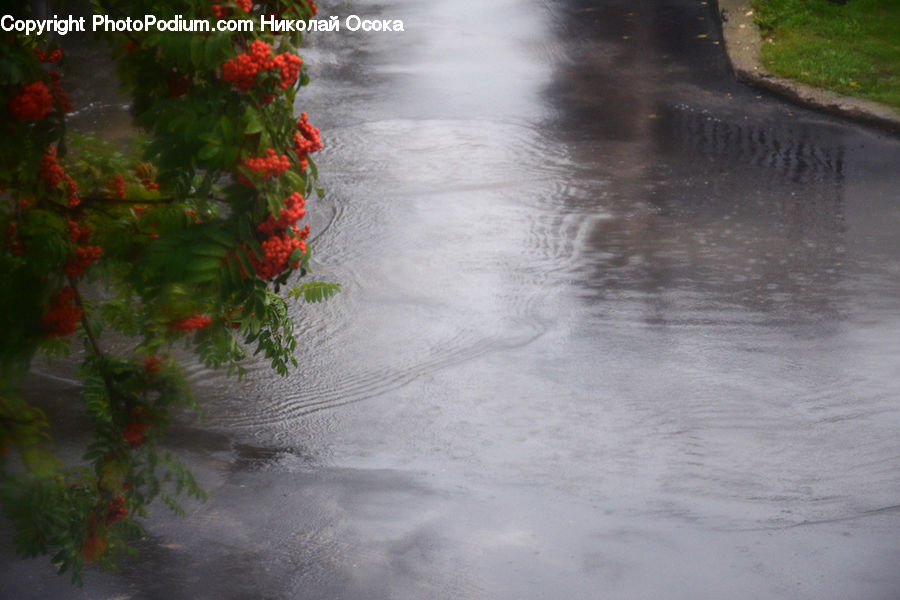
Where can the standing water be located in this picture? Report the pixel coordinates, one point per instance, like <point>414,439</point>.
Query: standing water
<point>613,327</point>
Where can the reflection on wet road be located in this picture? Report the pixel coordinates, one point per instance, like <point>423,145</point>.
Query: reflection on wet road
<point>613,327</point>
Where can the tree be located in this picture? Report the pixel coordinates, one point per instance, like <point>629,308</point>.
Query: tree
<point>186,239</point>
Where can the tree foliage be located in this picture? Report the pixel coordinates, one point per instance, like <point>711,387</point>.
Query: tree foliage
<point>187,239</point>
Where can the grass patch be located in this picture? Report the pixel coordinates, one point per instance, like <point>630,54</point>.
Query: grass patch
<point>852,49</point>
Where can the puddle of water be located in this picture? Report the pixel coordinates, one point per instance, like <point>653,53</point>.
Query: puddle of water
<point>610,322</point>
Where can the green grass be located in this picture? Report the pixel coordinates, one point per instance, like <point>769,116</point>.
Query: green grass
<point>851,49</point>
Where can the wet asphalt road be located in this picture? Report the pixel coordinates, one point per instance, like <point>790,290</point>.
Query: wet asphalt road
<point>613,327</point>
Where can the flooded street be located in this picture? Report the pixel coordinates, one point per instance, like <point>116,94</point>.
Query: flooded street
<point>613,327</point>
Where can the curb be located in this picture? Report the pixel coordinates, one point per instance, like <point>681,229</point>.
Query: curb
<point>742,47</point>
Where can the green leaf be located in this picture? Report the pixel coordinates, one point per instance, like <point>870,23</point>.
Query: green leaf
<point>275,203</point>
<point>217,234</point>
<point>178,47</point>
<point>244,259</point>
<point>234,272</point>
<point>203,264</point>
<point>10,72</point>
<point>209,151</point>
<point>315,291</point>
<point>254,124</point>
<point>296,255</point>
<point>231,155</point>
<point>294,180</point>
<point>218,47</point>
<point>226,127</point>
<point>198,44</point>
<point>210,249</point>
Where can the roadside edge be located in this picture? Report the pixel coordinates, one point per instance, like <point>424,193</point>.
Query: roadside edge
<point>742,47</point>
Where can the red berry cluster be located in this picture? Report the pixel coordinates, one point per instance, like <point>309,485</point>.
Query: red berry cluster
<point>84,255</point>
<point>284,238</point>
<point>51,171</point>
<point>13,242</point>
<point>243,68</point>
<point>288,216</point>
<point>48,56</point>
<point>284,234</point>
<point>94,544</point>
<point>59,94</point>
<point>268,165</point>
<point>116,510</point>
<point>54,174</point>
<point>77,233</point>
<point>306,140</point>
<point>296,8</point>
<point>83,258</point>
<point>62,318</point>
<point>144,172</point>
<point>223,11</point>
<point>152,363</point>
<point>116,187</point>
<point>241,71</point>
<point>276,251</point>
<point>289,66</point>
<point>134,433</point>
<point>178,84</point>
<point>261,54</point>
<point>191,323</point>
<point>32,103</point>
<point>234,315</point>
